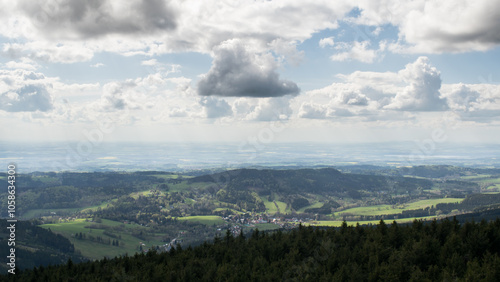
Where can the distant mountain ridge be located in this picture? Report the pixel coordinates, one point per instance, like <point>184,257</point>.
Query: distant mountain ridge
<point>322,180</point>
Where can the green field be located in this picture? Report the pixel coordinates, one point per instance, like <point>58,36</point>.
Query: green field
<point>489,180</point>
<point>232,210</point>
<point>166,176</point>
<point>96,250</point>
<point>270,206</point>
<point>184,186</point>
<point>282,207</point>
<point>475,177</point>
<point>46,212</point>
<point>337,223</point>
<point>388,209</point>
<point>371,210</point>
<point>102,206</point>
<point>204,219</point>
<point>431,202</point>
<point>315,205</point>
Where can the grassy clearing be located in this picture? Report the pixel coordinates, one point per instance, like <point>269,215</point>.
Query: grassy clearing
<point>144,193</point>
<point>184,186</point>
<point>102,206</point>
<point>270,206</point>
<point>46,212</point>
<point>204,219</point>
<point>232,210</point>
<point>95,250</point>
<point>388,209</point>
<point>371,210</point>
<point>282,207</point>
<point>474,177</point>
<point>166,176</point>
<point>315,205</point>
<point>431,202</point>
<point>337,223</point>
<point>490,180</point>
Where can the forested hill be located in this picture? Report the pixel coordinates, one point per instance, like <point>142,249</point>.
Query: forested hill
<point>309,180</point>
<point>439,251</point>
<point>36,246</point>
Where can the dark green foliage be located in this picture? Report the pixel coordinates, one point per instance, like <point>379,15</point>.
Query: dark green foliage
<point>438,251</point>
<point>325,209</point>
<point>36,246</point>
<point>325,180</point>
<point>299,203</point>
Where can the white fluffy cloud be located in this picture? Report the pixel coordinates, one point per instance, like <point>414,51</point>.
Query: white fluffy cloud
<point>357,51</point>
<point>415,89</point>
<point>327,41</point>
<point>422,93</point>
<point>262,109</point>
<point>238,72</point>
<point>335,100</point>
<point>24,91</point>
<point>68,52</point>
<point>215,107</point>
<point>461,98</point>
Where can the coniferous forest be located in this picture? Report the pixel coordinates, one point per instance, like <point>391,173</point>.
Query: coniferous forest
<point>437,251</point>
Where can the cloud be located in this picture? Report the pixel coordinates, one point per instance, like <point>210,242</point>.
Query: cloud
<point>85,19</point>
<point>23,63</point>
<point>436,26</point>
<point>98,65</point>
<point>422,93</point>
<point>262,109</point>
<point>215,108</point>
<point>152,62</point>
<point>327,41</point>
<point>29,98</point>
<point>356,51</point>
<point>24,91</point>
<point>334,101</point>
<point>237,72</point>
<point>354,98</point>
<point>178,113</point>
<point>461,98</point>
<point>473,102</point>
<point>131,94</point>
<point>153,27</point>
<point>287,51</point>
<point>69,52</point>
<point>312,111</point>
<point>377,96</point>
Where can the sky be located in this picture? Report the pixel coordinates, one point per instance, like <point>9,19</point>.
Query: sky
<point>348,71</point>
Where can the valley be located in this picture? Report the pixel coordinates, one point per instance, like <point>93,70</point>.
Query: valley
<point>107,214</point>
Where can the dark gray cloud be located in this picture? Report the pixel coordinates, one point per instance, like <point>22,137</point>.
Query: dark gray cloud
<point>28,98</point>
<point>238,73</point>
<point>80,19</point>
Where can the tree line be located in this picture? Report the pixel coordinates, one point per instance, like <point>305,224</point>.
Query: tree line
<point>437,251</point>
